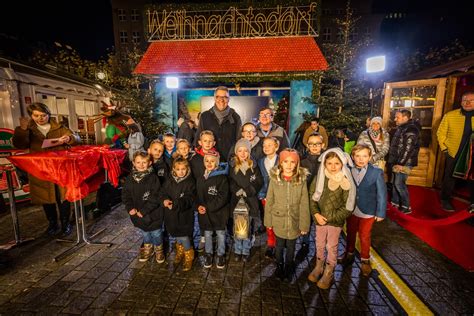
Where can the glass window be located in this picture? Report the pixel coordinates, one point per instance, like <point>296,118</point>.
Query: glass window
<point>121,15</point>
<point>123,37</point>
<point>135,15</point>
<point>136,37</point>
<point>327,34</point>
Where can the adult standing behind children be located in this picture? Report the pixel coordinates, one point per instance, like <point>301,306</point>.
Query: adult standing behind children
<point>135,141</point>
<point>315,128</point>
<point>267,128</point>
<point>223,121</point>
<point>30,135</point>
<point>378,141</point>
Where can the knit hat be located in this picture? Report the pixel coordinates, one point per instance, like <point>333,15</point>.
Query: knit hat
<point>242,143</point>
<point>213,153</point>
<point>285,153</point>
<point>376,119</point>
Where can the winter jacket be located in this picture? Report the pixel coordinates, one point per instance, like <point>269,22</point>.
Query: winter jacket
<point>145,197</point>
<point>251,183</point>
<point>331,205</point>
<point>371,197</point>
<point>213,193</point>
<point>287,207</point>
<point>226,133</point>
<point>42,192</point>
<point>405,145</point>
<point>179,221</point>
<point>382,147</point>
<point>311,163</point>
<point>266,178</point>
<point>186,132</point>
<point>278,132</point>
<point>162,170</point>
<point>450,131</point>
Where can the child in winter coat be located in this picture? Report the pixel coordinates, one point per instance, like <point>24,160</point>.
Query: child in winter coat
<point>178,197</point>
<point>213,206</point>
<point>371,205</point>
<point>160,167</point>
<point>270,149</point>
<point>245,181</point>
<point>314,146</point>
<point>287,209</point>
<point>169,140</point>
<point>140,195</point>
<point>183,150</point>
<point>332,202</point>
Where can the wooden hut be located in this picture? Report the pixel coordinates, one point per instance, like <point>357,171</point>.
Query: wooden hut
<point>429,95</point>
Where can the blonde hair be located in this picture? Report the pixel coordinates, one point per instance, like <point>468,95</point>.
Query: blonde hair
<point>207,132</point>
<point>239,163</point>
<point>142,154</point>
<point>156,141</point>
<point>360,147</point>
<point>181,161</point>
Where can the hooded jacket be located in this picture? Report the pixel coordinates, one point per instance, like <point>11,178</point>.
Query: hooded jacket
<point>251,182</point>
<point>287,207</point>
<point>144,196</point>
<point>213,193</point>
<point>179,221</point>
<point>405,145</point>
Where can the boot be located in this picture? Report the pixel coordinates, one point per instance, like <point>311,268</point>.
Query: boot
<point>365,267</point>
<point>160,254</point>
<point>315,275</point>
<point>280,271</point>
<point>188,259</point>
<point>289,271</point>
<point>346,260</point>
<point>146,251</point>
<point>50,211</point>
<point>179,253</point>
<point>65,215</point>
<point>328,278</point>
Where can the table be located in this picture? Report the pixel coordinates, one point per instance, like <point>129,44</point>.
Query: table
<point>8,168</point>
<point>81,171</point>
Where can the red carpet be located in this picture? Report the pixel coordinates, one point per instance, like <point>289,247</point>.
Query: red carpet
<point>448,233</point>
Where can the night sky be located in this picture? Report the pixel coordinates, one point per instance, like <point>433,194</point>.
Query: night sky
<point>87,25</point>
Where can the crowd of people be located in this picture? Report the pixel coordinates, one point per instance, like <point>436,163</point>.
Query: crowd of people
<point>236,180</point>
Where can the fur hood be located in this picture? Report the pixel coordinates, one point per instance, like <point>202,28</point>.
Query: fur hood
<point>297,179</point>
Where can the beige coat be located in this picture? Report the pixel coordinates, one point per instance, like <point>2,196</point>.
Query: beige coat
<point>42,192</point>
<point>287,206</point>
<point>321,131</point>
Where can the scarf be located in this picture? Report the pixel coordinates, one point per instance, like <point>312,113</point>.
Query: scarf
<point>221,115</point>
<point>139,175</point>
<point>375,134</point>
<point>337,180</point>
<point>466,133</point>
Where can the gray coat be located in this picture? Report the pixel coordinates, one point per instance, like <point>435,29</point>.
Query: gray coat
<point>382,147</point>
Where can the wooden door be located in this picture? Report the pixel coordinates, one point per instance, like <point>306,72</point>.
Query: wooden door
<point>425,99</point>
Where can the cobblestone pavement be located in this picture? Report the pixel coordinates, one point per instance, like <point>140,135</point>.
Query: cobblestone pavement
<point>101,280</point>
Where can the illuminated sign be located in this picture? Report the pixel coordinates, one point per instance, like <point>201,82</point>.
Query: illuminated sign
<point>232,23</point>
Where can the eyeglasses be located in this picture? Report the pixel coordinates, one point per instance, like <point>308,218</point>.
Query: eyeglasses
<point>315,144</point>
<point>266,115</point>
<point>468,102</point>
<point>219,97</point>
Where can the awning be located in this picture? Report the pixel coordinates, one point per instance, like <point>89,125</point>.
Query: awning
<point>232,56</point>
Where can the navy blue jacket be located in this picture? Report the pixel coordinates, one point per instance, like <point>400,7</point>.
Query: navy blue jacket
<point>266,180</point>
<point>371,197</point>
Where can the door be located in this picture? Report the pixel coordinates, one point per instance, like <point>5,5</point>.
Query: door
<point>425,99</point>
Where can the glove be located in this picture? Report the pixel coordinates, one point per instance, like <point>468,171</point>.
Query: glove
<point>241,192</point>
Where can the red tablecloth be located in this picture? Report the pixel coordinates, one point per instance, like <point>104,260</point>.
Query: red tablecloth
<point>79,169</point>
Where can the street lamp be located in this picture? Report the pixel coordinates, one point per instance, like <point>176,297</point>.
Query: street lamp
<point>374,64</point>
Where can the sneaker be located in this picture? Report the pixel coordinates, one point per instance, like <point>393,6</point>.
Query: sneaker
<point>67,230</point>
<point>220,262</point>
<point>270,253</point>
<point>406,210</point>
<point>208,261</point>
<point>202,244</point>
<point>245,258</point>
<point>395,205</point>
<point>53,229</point>
<point>237,257</point>
<point>447,206</point>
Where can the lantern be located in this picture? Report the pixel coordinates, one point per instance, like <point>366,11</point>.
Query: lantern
<point>241,220</point>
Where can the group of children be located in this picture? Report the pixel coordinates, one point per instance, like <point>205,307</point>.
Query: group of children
<point>171,183</point>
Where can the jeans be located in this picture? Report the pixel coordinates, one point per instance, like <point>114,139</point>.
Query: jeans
<point>220,242</point>
<point>281,244</point>
<point>363,226</point>
<point>185,241</point>
<point>400,194</point>
<point>242,246</point>
<point>154,237</point>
